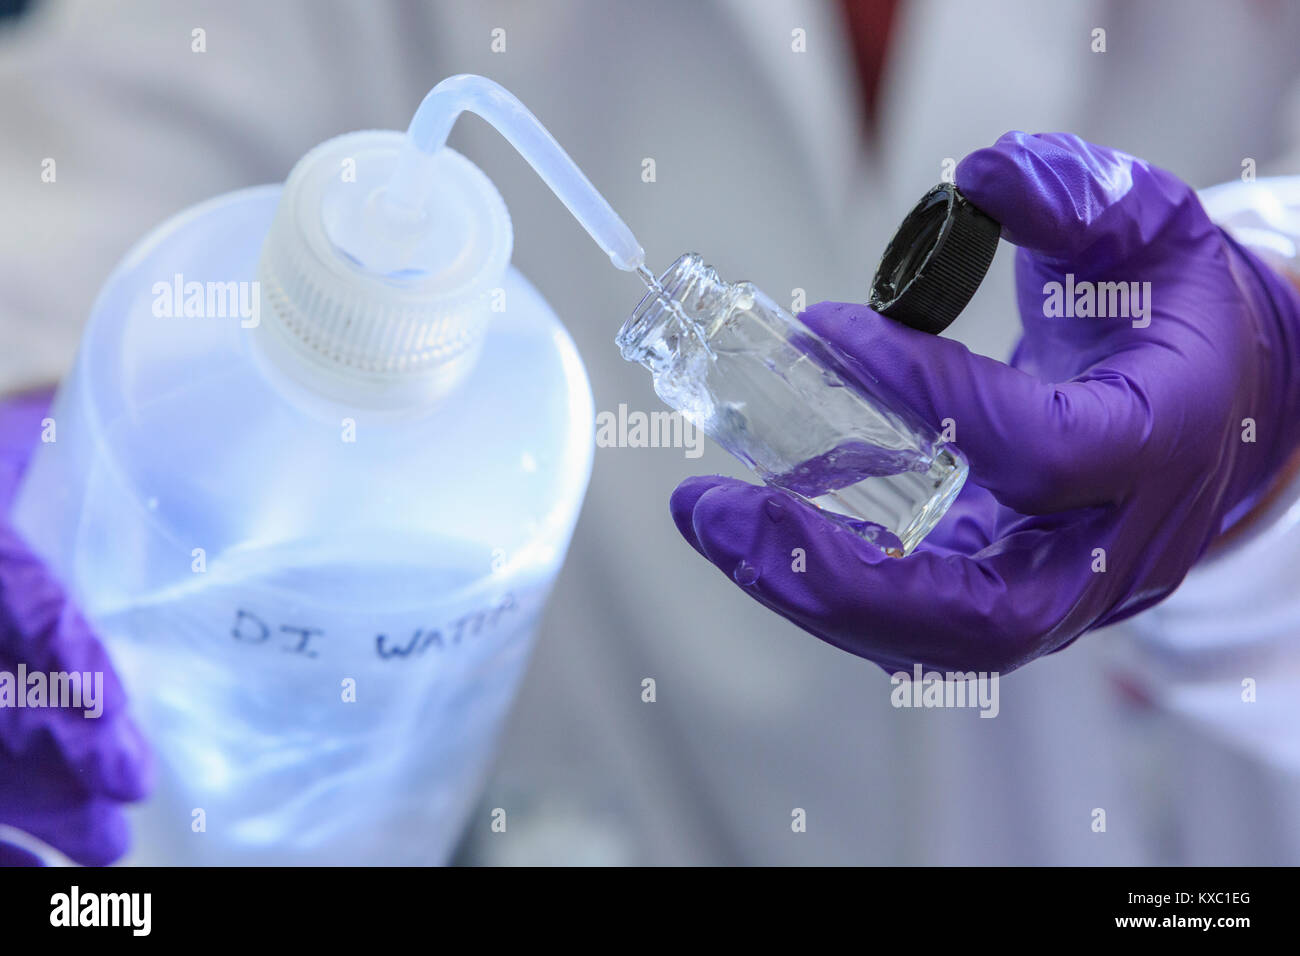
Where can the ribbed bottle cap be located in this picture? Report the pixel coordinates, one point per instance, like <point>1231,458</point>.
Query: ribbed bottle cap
<point>935,261</point>
<point>370,304</point>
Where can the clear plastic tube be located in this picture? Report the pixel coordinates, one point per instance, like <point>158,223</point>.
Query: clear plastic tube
<point>433,120</point>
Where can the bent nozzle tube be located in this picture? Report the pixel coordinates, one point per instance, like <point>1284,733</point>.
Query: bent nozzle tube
<point>411,183</point>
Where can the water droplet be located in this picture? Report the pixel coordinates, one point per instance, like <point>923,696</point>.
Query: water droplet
<point>775,509</point>
<point>831,379</point>
<point>745,574</point>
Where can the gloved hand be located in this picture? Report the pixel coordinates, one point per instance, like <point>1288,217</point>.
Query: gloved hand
<point>1101,442</point>
<point>63,776</point>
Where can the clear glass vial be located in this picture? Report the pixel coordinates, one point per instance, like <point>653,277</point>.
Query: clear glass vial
<point>782,400</point>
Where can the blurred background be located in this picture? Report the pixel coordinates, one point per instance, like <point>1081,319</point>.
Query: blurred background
<point>783,140</point>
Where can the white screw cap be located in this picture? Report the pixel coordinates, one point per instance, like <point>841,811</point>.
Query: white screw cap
<point>368,303</point>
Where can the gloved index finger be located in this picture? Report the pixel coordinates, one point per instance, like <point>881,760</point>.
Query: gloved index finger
<point>1071,201</point>
<point>1037,447</point>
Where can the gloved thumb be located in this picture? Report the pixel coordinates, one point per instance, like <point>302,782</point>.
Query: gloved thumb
<point>1038,447</point>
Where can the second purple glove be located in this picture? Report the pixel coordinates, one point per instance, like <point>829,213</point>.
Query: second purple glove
<point>64,776</point>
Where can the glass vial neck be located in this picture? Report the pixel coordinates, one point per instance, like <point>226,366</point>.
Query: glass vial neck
<point>686,306</point>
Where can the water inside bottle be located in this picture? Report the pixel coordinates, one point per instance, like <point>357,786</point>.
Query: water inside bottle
<point>321,730</point>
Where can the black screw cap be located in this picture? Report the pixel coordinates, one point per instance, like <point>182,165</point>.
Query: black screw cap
<point>935,261</point>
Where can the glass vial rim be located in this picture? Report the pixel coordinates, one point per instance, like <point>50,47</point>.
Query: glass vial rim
<point>654,309</point>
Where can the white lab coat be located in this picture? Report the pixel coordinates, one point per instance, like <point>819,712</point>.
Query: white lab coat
<point>758,166</point>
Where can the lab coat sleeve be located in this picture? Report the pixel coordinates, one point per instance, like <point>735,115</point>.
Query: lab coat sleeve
<point>1262,214</point>
<point>1240,602</point>
<point>1219,658</point>
<point>115,115</point>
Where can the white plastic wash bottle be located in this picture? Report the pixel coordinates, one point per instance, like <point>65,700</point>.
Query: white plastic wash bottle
<point>316,468</point>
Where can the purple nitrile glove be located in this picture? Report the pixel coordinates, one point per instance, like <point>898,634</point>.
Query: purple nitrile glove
<point>63,776</point>
<point>1104,459</point>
